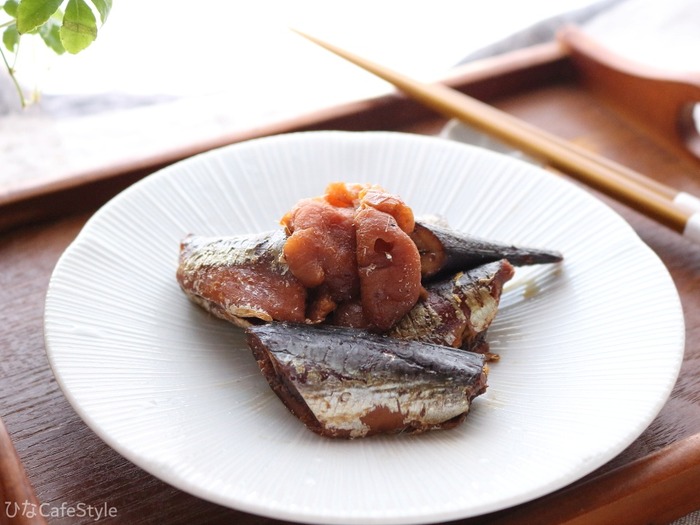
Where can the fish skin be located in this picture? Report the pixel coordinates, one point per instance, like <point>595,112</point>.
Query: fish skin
<point>350,383</point>
<point>457,311</point>
<point>241,278</point>
<point>445,251</point>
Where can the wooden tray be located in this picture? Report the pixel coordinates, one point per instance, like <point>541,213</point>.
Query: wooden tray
<point>569,87</point>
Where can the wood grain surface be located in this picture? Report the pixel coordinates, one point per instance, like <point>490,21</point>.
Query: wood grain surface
<point>71,468</point>
<point>21,507</point>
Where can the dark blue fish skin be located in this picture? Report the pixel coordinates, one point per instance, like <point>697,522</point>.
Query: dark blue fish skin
<point>445,251</point>
<point>348,383</point>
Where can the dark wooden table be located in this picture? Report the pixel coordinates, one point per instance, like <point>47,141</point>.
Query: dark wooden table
<point>655,480</point>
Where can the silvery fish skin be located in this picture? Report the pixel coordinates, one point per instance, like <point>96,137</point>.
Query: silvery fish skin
<point>457,312</point>
<point>349,383</point>
<point>242,278</point>
<point>445,251</point>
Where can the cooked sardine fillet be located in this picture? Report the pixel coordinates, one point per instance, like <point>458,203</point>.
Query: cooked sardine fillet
<point>247,279</point>
<point>444,251</point>
<point>349,383</point>
<point>242,279</point>
<point>457,311</point>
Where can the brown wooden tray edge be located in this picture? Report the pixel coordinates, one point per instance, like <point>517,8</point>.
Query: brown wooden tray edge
<point>486,79</point>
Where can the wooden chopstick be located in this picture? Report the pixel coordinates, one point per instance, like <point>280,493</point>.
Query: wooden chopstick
<point>633,189</point>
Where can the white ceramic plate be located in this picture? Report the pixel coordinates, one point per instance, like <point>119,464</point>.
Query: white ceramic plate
<point>590,349</point>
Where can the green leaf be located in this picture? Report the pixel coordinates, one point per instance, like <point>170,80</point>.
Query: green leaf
<point>49,33</point>
<point>33,13</point>
<point>10,8</point>
<point>79,27</point>
<point>10,38</point>
<point>103,7</point>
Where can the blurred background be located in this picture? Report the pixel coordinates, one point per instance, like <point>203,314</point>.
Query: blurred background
<point>163,72</point>
<point>169,49</point>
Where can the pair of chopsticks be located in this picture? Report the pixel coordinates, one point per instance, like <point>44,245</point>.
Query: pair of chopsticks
<point>675,209</point>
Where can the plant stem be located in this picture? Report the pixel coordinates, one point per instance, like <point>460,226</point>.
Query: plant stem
<point>11,71</point>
